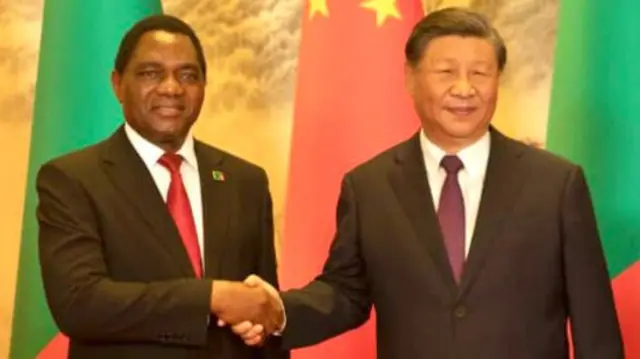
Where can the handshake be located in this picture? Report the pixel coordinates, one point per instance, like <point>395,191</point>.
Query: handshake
<point>252,308</point>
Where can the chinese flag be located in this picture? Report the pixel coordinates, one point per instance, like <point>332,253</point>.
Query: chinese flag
<point>350,104</point>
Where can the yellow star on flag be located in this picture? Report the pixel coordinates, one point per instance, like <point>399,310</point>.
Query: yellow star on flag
<point>384,9</point>
<point>318,7</point>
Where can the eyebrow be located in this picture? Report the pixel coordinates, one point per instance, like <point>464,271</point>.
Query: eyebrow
<point>156,64</point>
<point>142,65</point>
<point>189,66</point>
<point>450,61</point>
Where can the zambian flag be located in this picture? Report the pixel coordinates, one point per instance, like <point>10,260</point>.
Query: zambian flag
<point>595,121</point>
<point>74,107</point>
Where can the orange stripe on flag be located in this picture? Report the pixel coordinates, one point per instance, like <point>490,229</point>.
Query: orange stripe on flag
<point>626,289</point>
<point>56,349</point>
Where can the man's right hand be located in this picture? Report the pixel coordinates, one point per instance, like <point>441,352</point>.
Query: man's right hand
<point>234,303</point>
<point>254,334</point>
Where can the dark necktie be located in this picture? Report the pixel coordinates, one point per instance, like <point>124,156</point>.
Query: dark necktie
<point>180,209</point>
<point>451,215</point>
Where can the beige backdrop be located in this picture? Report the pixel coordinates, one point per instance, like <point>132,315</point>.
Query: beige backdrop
<point>20,22</point>
<point>251,46</point>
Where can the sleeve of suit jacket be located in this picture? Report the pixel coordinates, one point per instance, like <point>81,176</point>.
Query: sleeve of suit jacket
<point>337,300</point>
<point>267,268</point>
<point>84,302</point>
<point>594,323</point>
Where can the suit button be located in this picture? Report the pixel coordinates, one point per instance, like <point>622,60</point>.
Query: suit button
<point>460,311</point>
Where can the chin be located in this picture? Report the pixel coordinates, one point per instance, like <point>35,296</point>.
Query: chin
<point>461,131</point>
<point>163,129</point>
<point>173,134</point>
<point>169,125</point>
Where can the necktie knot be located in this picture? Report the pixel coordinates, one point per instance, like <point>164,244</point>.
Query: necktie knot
<point>451,164</point>
<point>171,161</point>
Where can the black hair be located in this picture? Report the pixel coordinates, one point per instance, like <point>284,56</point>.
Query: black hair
<point>452,21</point>
<point>166,23</point>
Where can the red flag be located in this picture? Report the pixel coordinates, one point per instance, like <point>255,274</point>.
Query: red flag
<point>350,104</point>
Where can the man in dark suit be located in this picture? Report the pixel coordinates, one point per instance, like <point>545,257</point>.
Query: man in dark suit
<point>141,235</point>
<point>469,244</point>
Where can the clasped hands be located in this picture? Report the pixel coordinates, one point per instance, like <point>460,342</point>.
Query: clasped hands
<point>252,308</point>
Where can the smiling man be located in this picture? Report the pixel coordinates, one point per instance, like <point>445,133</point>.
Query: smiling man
<point>469,244</point>
<point>141,235</point>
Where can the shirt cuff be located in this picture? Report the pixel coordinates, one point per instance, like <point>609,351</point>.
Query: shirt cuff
<point>278,332</point>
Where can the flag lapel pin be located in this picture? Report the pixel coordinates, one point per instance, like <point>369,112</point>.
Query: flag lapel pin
<point>217,175</point>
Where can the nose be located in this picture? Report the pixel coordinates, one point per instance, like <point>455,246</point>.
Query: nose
<point>170,87</point>
<point>463,88</point>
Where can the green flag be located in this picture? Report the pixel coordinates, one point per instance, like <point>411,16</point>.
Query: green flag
<point>74,107</point>
<point>595,121</point>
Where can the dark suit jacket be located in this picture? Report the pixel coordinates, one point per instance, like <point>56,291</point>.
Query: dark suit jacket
<point>535,260</point>
<point>117,278</point>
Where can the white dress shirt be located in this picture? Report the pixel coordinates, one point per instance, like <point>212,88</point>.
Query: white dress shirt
<point>150,154</point>
<point>471,177</point>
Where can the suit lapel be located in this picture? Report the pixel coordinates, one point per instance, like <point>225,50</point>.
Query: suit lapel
<point>130,175</point>
<point>218,190</point>
<point>409,181</point>
<point>502,184</point>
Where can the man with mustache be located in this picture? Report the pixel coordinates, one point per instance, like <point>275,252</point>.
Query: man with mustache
<point>469,244</point>
<point>141,235</point>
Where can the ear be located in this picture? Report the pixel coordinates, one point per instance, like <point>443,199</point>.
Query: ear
<point>116,85</point>
<point>409,78</point>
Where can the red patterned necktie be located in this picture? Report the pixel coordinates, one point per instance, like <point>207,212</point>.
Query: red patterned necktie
<point>180,208</point>
<point>451,215</point>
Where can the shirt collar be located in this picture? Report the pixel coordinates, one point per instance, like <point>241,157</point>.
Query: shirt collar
<point>473,157</point>
<point>150,153</point>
